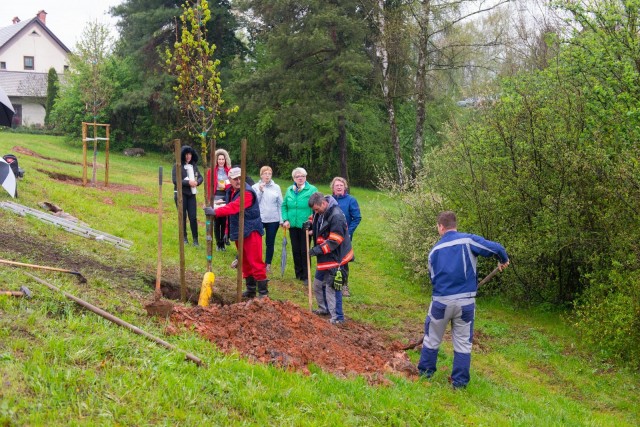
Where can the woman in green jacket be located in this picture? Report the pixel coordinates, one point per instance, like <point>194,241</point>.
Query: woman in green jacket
<point>295,212</point>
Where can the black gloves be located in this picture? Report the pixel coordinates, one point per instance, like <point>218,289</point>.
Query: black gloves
<point>209,211</point>
<point>307,225</point>
<point>315,251</point>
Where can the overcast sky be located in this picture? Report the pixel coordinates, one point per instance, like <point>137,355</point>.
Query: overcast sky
<point>65,18</point>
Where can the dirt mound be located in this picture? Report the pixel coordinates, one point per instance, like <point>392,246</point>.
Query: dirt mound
<point>282,334</point>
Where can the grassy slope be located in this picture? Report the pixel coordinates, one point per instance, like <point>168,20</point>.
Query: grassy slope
<point>62,365</point>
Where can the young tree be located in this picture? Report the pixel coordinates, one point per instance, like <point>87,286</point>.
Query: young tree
<point>145,112</point>
<point>89,64</point>
<point>197,88</point>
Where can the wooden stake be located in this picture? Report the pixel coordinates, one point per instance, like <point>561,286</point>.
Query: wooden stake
<point>106,159</point>
<point>118,321</point>
<point>183,283</point>
<point>84,154</point>
<point>95,152</point>
<point>243,178</point>
<point>213,178</point>
<point>159,269</point>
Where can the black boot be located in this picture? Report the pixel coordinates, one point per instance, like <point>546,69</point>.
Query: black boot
<point>263,289</point>
<point>251,288</point>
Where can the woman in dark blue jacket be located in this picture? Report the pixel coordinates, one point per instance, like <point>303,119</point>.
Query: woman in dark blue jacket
<point>349,206</point>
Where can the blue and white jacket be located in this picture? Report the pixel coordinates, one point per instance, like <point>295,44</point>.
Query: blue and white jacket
<point>453,260</point>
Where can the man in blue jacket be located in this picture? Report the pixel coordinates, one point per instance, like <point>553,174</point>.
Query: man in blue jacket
<point>452,267</point>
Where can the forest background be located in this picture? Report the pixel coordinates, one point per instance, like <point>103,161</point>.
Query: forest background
<point>521,117</point>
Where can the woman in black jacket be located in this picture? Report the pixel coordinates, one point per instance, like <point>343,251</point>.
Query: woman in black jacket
<point>191,178</point>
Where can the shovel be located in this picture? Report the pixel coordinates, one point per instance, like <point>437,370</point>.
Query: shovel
<point>80,277</point>
<point>159,307</point>
<point>482,282</point>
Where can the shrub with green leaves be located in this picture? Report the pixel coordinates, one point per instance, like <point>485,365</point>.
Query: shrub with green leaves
<point>551,172</point>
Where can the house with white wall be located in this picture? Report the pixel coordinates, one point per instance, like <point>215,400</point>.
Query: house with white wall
<point>28,49</point>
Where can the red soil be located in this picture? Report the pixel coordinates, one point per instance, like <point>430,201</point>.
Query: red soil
<point>282,334</point>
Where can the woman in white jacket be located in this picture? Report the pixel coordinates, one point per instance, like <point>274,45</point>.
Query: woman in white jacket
<point>270,202</point>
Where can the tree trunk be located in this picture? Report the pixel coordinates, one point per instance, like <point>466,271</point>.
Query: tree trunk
<point>383,59</point>
<point>342,146</point>
<point>421,89</point>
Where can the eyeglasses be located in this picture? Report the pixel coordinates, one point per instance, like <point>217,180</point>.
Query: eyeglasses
<point>299,176</point>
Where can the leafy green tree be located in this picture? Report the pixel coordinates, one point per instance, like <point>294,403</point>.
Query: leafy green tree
<point>551,171</point>
<point>198,89</point>
<point>145,113</point>
<point>52,94</point>
<point>310,68</point>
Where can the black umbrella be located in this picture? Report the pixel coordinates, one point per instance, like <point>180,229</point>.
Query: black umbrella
<point>6,109</point>
<point>7,178</point>
<point>283,258</point>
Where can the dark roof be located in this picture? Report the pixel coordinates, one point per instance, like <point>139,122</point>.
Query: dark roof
<point>11,81</point>
<point>12,31</point>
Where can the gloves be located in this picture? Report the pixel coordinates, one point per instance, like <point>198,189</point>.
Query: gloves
<point>307,225</point>
<point>211,211</point>
<point>338,281</point>
<point>315,251</point>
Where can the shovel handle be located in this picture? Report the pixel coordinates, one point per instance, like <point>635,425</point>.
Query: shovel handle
<point>489,276</point>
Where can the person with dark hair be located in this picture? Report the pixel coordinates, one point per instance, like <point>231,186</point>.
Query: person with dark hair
<point>333,249</point>
<point>295,212</point>
<point>219,187</point>
<point>253,267</point>
<point>191,178</point>
<point>452,267</point>
<point>351,210</point>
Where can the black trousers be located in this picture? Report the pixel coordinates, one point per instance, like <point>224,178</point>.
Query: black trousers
<point>219,228</point>
<point>190,210</point>
<point>299,245</point>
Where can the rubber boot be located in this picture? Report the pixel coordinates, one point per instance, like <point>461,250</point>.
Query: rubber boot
<point>263,289</point>
<point>251,288</point>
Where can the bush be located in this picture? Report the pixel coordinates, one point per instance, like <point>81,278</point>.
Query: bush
<point>608,315</point>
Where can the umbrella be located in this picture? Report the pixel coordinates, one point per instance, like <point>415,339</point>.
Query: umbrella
<point>7,178</point>
<point>6,109</point>
<point>283,258</point>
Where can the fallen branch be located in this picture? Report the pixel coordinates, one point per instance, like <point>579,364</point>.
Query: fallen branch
<point>117,320</point>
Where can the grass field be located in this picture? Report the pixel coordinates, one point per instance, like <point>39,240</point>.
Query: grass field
<point>63,365</point>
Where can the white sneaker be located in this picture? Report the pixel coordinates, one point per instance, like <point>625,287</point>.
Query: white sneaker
<point>234,263</point>
<point>268,268</point>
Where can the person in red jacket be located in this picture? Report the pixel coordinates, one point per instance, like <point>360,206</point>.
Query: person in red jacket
<point>253,267</point>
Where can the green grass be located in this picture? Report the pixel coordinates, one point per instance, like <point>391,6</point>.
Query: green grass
<point>62,365</point>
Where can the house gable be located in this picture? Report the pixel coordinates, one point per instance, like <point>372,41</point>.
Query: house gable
<point>31,39</point>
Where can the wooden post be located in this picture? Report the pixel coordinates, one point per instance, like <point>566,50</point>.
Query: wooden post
<point>213,185</point>
<point>95,152</point>
<point>84,154</point>
<point>243,177</point>
<point>183,283</point>
<point>159,268</point>
<point>106,159</point>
